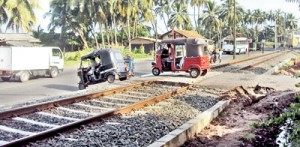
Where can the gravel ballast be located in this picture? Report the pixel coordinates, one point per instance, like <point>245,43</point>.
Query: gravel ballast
<point>142,127</point>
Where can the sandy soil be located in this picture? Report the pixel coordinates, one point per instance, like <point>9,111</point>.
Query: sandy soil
<point>292,70</point>
<point>234,126</point>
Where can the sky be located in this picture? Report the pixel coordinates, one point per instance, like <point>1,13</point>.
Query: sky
<point>265,5</point>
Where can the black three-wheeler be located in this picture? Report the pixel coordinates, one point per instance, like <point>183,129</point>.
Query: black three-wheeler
<point>104,65</point>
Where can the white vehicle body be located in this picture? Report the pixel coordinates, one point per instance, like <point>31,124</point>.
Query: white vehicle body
<point>18,62</point>
<point>241,45</point>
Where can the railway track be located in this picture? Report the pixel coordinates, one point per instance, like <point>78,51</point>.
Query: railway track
<point>23,125</point>
<point>248,63</point>
<point>140,127</point>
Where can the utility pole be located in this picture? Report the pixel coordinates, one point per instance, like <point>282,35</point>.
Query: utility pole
<point>284,36</point>
<point>234,30</point>
<point>275,35</point>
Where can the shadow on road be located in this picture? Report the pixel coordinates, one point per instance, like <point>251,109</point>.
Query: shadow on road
<point>62,87</point>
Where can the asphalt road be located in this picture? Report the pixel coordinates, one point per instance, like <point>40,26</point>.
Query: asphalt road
<point>14,92</point>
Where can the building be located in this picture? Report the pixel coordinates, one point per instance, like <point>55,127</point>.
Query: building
<point>148,43</point>
<point>18,39</point>
<point>181,34</point>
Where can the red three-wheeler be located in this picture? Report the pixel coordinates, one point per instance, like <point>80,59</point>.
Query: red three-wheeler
<point>183,54</point>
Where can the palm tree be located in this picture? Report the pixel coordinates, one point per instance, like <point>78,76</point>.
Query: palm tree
<point>114,13</point>
<point>99,10</point>
<point>248,20</point>
<point>259,17</point>
<point>210,18</point>
<point>179,17</point>
<point>21,14</point>
<point>227,14</point>
<point>291,24</point>
<point>163,9</point>
<point>125,9</point>
<point>60,15</point>
<point>197,4</point>
<point>3,13</point>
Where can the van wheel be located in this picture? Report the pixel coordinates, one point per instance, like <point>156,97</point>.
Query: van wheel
<point>81,86</point>
<point>155,71</point>
<point>5,79</point>
<point>53,72</point>
<point>194,73</point>
<point>204,72</point>
<point>24,76</point>
<point>110,78</point>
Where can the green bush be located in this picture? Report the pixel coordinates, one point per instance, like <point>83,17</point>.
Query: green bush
<point>292,114</point>
<point>140,50</point>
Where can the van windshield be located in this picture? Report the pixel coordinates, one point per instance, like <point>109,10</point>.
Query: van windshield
<point>228,41</point>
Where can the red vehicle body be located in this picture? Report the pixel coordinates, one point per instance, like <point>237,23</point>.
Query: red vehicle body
<point>186,54</point>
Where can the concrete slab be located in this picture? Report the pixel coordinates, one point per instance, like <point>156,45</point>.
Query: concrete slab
<point>189,129</point>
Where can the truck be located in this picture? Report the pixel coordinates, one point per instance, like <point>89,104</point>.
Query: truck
<point>22,63</point>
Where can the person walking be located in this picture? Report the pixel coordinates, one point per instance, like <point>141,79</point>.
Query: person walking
<point>220,52</point>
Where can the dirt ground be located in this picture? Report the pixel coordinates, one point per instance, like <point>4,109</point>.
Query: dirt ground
<point>234,125</point>
<point>292,70</point>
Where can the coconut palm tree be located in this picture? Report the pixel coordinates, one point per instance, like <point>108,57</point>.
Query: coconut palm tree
<point>60,17</point>
<point>21,14</point>
<point>125,10</point>
<point>259,17</point>
<point>99,11</point>
<point>163,9</point>
<point>291,24</point>
<point>210,18</point>
<point>179,16</point>
<point>197,4</point>
<point>227,14</point>
<point>291,21</point>
<point>3,13</point>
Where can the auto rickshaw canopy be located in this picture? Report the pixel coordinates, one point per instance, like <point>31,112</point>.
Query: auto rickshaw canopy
<point>106,56</point>
<point>195,47</point>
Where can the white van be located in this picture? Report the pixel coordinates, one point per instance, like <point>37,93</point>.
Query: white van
<point>241,45</point>
<point>25,62</point>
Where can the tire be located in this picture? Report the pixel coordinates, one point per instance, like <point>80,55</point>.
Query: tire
<point>155,71</point>
<point>194,73</point>
<point>81,87</point>
<point>111,79</point>
<point>204,72</point>
<point>5,79</point>
<point>123,79</point>
<point>24,76</point>
<point>53,72</point>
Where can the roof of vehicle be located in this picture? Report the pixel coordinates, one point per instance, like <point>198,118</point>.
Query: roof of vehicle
<point>98,52</point>
<point>185,40</point>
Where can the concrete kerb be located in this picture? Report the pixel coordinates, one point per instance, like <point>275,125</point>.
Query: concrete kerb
<point>191,128</point>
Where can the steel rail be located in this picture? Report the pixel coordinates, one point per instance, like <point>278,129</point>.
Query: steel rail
<point>261,62</point>
<point>70,100</point>
<point>126,109</point>
<point>244,60</point>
